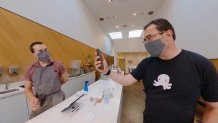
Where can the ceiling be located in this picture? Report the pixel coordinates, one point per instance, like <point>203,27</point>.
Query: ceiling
<point>120,13</point>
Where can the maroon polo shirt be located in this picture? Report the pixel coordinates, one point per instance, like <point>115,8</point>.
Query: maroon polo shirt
<point>45,80</point>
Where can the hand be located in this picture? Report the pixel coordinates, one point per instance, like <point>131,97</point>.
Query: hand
<point>98,64</point>
<point>34,104</point>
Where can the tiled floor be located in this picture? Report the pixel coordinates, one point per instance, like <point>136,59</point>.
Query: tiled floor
<point>133,104</point>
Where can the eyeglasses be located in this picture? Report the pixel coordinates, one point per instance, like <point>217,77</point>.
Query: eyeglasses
<point>150,37</point>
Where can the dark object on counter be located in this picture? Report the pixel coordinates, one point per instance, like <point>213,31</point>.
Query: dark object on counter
<point>22,86</point>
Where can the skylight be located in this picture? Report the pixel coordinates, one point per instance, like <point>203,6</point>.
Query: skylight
<point>135,33</point>
<point>116,35</point>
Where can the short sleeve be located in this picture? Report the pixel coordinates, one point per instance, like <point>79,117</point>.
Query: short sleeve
<point>137,73</point>
<point>27,75</point>
<point>61,68</point>
<point>210,82</point>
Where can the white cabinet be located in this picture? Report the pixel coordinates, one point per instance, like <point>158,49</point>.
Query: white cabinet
<point>13,109</point>
<point>76,83</point>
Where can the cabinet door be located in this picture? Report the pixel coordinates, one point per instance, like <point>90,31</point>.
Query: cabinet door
<point>90,77</point>
<point>76,84</point>
<point>13,109</point>
<point>72,86</point>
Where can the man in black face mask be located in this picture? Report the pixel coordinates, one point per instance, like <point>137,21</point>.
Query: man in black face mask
<point>46,76</point>
<point>174,79</point>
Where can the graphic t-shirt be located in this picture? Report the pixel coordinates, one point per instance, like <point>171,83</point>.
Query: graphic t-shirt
<point>174,86</point>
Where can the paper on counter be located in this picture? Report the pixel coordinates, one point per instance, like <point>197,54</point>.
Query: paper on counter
<point>90,116</point>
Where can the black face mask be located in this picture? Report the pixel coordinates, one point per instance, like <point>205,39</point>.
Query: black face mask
<point>154,48</point>
<point>43,56</point>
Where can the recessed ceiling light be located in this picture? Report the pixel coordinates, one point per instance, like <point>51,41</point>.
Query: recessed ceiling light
<point>150,12</point>
<point>116,35</point>
<point>114,17</point>
<point>133,25</point>
<point>124,25</point>
<point>117,26</point>
<point>101,19</point>
<point>135,33</point>
<point>134,14</point>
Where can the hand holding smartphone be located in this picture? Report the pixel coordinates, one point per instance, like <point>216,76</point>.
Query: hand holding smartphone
<point>99,53</point>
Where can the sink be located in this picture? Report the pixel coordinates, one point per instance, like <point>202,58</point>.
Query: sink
<point>8,91</point>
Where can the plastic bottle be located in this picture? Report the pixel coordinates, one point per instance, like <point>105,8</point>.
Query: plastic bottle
<point>106,98</point>
<point>86,88</point>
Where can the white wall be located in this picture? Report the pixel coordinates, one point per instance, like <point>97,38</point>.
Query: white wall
<point>195,23</point>
<point>69,17</point>
<point>129,45</point>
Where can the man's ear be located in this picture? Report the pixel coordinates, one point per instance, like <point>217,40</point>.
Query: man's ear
<point>34,54</point>
<point>170,33</point>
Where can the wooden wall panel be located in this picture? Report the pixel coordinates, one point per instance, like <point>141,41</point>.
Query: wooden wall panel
<point>17,33</point>
<point>215,62</point>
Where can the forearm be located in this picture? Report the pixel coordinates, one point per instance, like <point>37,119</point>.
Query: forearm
<point>28,90</point>
<point>119,78</point>
<point>64,78</point>
<point>210,116</point>
<point>30,95</point>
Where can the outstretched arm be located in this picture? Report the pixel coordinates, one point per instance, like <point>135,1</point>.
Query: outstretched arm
<point>124,80</point>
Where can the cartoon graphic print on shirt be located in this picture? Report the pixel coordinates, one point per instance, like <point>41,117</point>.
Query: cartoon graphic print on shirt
<point>163,80</point>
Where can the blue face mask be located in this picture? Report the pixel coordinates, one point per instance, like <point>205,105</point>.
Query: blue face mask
<point>43,56</point>
<point>154,48</point>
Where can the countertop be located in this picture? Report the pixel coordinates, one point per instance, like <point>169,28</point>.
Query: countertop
<point>88,112</point>
<point>16,85</point>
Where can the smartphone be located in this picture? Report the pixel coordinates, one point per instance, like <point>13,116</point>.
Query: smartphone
<point>99,53</point>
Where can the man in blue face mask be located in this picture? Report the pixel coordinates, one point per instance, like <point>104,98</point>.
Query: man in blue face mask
<point>46,76</point>
<point>174,79</point>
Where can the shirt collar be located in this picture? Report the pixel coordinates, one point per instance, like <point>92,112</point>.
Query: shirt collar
<point>37,64</point>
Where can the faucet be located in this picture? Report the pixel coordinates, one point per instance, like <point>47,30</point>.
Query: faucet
<point>6,85</point>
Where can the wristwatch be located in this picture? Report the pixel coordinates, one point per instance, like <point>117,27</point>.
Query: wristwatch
<point>108,72</point>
